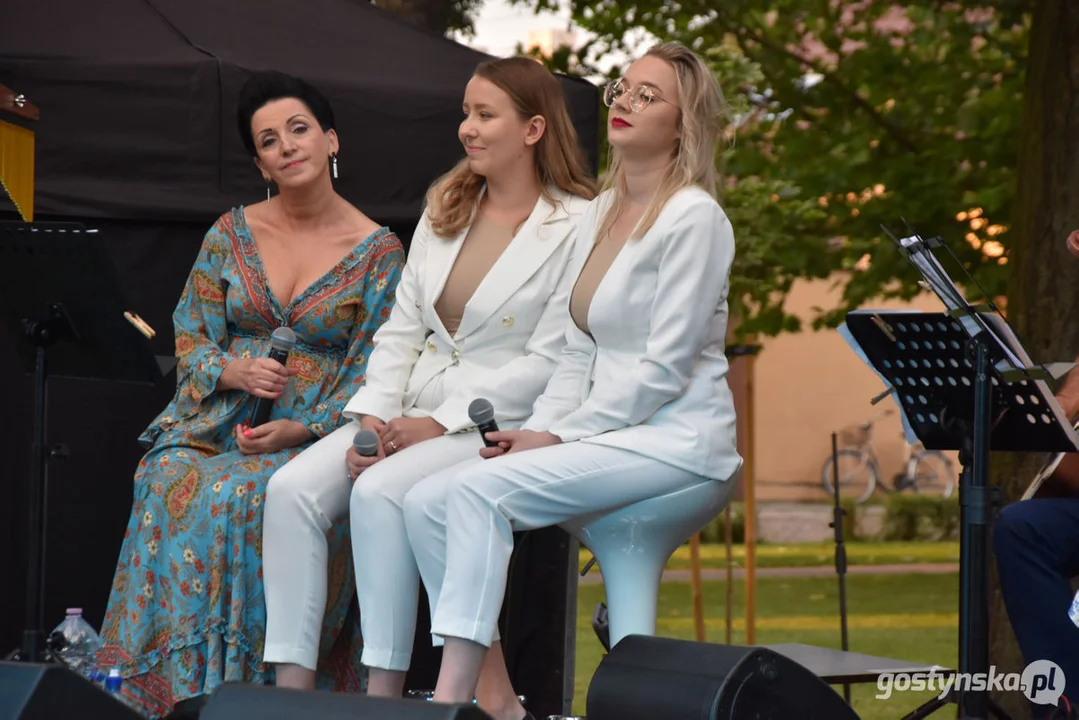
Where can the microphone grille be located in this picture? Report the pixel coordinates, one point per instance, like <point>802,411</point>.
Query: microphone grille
<point>481,411</point>
<point>366,442</point>
<point>283,339</point>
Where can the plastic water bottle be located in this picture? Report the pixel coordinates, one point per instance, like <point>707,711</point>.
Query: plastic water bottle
<point>81,643</point>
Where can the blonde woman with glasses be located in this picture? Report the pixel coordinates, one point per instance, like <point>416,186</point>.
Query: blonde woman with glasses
<point>639,405</point>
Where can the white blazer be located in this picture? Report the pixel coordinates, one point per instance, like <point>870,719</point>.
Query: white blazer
<point>511,331</point>
<point>654,380</point>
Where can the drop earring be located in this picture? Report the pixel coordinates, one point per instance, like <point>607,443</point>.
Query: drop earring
<point>267,188</point>
<point>334,158</point>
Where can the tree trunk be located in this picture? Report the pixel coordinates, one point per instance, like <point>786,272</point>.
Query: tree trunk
<point>1043,297</point>
<point>433,15</point>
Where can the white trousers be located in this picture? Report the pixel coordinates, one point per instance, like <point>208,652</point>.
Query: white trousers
<point>461,521</point>
<point>303,500</point>
<point>387,581</point>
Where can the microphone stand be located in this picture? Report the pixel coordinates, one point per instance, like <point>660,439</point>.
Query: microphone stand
<point>840,555</point>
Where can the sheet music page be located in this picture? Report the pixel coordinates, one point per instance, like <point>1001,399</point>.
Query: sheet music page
<point>941,283</point>
<point>934,274</point>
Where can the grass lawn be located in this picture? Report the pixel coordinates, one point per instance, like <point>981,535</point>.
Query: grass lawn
<point>906,617</point>
<point>808,554</point>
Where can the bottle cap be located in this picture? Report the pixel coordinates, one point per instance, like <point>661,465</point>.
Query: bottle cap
<point>74,611</point>
<point>114,682</point>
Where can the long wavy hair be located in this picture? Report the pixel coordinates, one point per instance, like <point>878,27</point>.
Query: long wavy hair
<point>700,123</point>
<point>559,162</point>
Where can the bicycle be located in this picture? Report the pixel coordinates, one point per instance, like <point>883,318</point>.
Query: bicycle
<point>924,470</point>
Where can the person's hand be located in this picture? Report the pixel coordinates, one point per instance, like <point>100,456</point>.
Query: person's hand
<point>262,377</point>
<point>401,433</point>
<point>1070,405</point>
<point>512,441</point>
<point>271,437</point>
<point>357,463</point>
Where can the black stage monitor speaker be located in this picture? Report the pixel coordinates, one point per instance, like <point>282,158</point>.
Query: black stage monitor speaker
<point>643,678</point>
<point>32,691</point>
<point>233,701</point>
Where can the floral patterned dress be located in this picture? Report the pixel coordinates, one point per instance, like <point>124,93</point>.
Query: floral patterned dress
<point>187,612</point>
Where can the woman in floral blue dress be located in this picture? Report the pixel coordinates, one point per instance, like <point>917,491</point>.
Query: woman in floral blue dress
<point>186,612</point>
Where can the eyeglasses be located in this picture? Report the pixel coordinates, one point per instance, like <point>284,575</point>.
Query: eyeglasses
<point>640,97</point>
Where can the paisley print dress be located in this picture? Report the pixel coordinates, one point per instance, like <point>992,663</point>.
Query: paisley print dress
<point>186,612</point>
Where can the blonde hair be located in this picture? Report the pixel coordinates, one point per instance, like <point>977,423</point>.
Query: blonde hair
<point>559,161</point>
<point>700,124</point>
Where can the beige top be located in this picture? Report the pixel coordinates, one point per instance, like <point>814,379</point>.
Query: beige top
<point>595,267</point>
<point>481,248</point>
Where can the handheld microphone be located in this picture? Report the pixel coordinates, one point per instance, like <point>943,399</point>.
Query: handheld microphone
<point>366,443</point>
<point>281,342</point>
<point>482,412</point>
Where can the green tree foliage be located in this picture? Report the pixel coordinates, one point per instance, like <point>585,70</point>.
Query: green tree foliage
<point>846,116</point>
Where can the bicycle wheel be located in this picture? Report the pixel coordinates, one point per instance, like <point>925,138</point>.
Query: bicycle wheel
<point>932,472</point>
<point>858,476</point>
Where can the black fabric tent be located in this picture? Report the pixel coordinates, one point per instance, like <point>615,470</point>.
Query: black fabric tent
<point>137,137</point>
<point>138,100</point>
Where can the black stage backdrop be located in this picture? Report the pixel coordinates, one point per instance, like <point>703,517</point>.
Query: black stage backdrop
<point>138,138</point>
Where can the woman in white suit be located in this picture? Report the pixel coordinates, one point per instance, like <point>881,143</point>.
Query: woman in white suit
<point>639,405</point>
<point>480,311</point>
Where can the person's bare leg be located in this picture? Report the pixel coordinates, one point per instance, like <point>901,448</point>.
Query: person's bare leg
<point>385,683</point>
<point>294,676</point>
<point>494,690</point>
<point>460,671</point>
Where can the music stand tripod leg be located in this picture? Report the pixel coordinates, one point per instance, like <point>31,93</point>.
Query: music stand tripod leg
<point>41,334</point>
<point>999,712</point>
<point>33,636</point>
<point>840,555</point>
<point>67,317</point>
<point>975,500</point>
<point>929,707</point>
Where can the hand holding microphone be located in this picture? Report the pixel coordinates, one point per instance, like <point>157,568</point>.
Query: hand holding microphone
<point>364,452</point>
<point>482,413</point>
<point>365,443</point>
<point>266,378</point>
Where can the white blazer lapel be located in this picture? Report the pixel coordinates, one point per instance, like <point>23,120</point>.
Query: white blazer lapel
<point>441,254</point>
<point>541,234</point>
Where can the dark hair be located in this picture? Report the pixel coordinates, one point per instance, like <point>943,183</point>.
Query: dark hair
<point>265,87</point>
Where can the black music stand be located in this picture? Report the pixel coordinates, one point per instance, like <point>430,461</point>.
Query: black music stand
<point>946,379</point>
<point>62,309</point>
